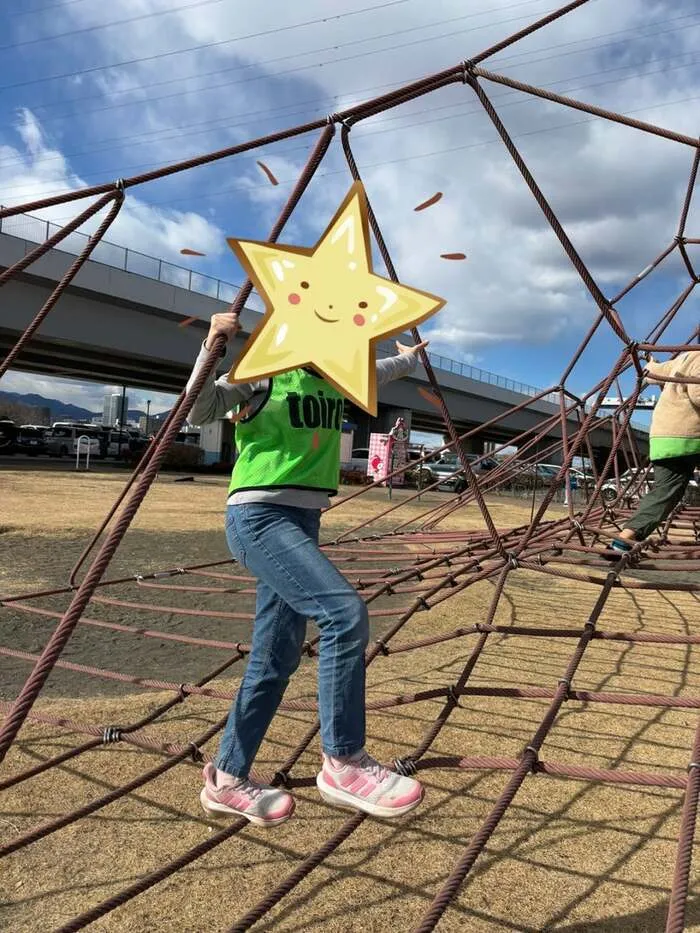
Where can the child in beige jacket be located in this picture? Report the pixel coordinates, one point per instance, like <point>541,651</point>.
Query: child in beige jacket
<point>674,447</point>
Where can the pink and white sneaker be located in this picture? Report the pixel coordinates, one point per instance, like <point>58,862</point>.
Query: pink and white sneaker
<point>363,783</point>
<point>262,805</point>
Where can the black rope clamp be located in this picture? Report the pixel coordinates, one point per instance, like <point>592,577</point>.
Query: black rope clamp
<point>336,118</point>
<point>111,734</point>
<point>423,603</point>
<point>383,647</point>
<point>281,777</point>
<point>453,695</point>
<point>513,562</point>
<point>406,767</point>
<point>196,752</point>
<point>567,685</point>
<point>467,70</point>
<point>307,648</point>
<point>577,525</point>
<point>181,691</point>
<point>535,763</point>
<point>693,765</point>
<point>120,185</point>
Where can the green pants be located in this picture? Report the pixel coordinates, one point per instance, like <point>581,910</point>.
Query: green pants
<point>671,478</point>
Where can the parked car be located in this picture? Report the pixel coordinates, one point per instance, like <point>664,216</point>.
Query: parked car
<point>447,464</point>
<point>117,445</point>
<point>358,460</point>
<point>420,476</point>
<point>550,471</point>
<point>31,440</point>
<point>610,489</point>
<point>62,439</point>
<point>8,436</point>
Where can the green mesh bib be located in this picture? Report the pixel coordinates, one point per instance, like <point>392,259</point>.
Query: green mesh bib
<point>293,439</point>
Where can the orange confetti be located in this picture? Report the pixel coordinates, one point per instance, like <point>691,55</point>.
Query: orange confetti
<point>315,441</point>
<point>429,203</point>
<point>453,255</point>
<point>268,173</point>
<point>191,252</point>
<point>187,321</point>
<point>430,396</point>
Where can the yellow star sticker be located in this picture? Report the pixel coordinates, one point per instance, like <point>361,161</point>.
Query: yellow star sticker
<point>325,307</point>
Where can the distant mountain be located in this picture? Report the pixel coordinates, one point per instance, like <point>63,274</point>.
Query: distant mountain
<point>60,411</point>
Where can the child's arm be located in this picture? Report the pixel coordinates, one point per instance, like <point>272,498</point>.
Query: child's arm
<point>396,367</point>
<point>218,396</point>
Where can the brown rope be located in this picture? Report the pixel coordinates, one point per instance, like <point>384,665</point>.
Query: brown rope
<point>430,564</point>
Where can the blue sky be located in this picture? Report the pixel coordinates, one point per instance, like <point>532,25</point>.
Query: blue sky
<point>83,101</point>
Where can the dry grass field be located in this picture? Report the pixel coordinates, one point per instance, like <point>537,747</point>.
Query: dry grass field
<point>568,856</point>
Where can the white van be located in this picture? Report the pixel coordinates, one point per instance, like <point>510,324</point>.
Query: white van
<point>62,439</point>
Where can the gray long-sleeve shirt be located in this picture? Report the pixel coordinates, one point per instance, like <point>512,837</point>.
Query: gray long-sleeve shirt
<point>218,397</point>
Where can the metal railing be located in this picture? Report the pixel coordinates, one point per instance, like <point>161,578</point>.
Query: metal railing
<point>36,230</point>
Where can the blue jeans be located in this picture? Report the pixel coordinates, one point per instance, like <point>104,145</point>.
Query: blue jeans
<point>296,582</point>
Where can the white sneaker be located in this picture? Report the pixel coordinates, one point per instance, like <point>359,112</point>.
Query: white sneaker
<point>363,783</point>
<point>262,805</point>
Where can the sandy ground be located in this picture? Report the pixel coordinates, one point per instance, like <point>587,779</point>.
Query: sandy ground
<point>569,855</point>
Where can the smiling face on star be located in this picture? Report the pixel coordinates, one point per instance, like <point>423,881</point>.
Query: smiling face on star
<point>347,305</point>
<point>325,306</point>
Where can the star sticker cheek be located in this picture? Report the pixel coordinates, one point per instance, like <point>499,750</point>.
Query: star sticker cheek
<point>326,307</point>
<point>396,308</point>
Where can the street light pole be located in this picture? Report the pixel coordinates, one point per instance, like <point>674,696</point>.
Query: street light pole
<point>148,415</point>
<point>122,419</point>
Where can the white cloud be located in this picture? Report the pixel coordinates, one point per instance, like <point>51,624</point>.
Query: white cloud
<point>85,395</point>
<point>38,169</point>
<point>617,191</point>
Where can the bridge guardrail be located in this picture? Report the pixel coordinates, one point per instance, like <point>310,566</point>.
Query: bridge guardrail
<point>36,230</point>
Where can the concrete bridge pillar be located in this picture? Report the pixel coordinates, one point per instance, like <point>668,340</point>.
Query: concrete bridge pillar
<point>387,418</point>
<point>217,442</point>
<point>472,445</point>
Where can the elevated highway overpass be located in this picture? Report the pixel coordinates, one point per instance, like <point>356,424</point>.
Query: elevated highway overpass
<point>118,324</point>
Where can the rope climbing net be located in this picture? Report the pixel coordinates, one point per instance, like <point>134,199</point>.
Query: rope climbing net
<point>404,565</point>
